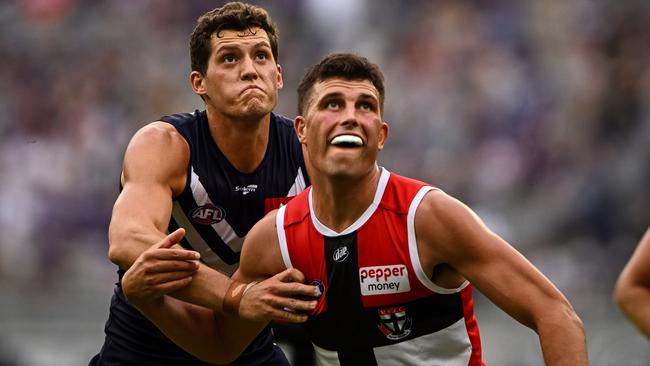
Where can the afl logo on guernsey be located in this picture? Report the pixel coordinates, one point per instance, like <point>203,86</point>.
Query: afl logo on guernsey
<point>207,214</point>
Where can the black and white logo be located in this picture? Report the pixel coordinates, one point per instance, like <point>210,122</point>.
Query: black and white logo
<point>207,214</point>
<point>341,254</point>
<point>394,322</point>
<point>246,189</point>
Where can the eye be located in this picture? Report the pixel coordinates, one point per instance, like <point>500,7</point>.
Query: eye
<point>365,106</point>
<point>261,56</point>
<point>333,105</point>
<point>229,58</point>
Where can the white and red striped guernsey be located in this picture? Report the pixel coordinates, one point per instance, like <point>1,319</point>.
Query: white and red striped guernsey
<point>378,306</point>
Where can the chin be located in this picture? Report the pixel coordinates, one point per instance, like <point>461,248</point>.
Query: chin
<point>256,110</point>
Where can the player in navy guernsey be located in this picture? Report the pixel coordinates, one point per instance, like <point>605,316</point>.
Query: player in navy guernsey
<point>395,258</point>
<point>213,173</point>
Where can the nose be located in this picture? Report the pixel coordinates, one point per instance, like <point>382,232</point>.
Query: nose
<point>349,116</point>
<point>249,72</point>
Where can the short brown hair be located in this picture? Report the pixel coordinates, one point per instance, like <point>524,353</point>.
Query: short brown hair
<point>346,66</point>
<point>232,16</point>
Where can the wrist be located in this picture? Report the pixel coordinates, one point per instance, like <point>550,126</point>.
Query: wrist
<point>234,293</point>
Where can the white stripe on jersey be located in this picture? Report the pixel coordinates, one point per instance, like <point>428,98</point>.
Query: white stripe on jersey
<point>326,357</point>
<point>447,347</point>
<point>282,239</point>
<point>196,241</point>
<point>299,184</point>
<point>222,227</point>
<point>413,247</point>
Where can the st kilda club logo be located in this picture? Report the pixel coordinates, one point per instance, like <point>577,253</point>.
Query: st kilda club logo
<point>394,322</point>
<point>207,214</point>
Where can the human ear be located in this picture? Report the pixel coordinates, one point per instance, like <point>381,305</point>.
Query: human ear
<point>196,80</point>
<point>300,125</point>
<point>383,135</point>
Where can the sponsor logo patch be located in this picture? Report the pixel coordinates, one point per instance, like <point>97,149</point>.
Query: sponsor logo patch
<point>394,322</point>
<point>380,280</point>
<point>247,189</point>
<point>341,254</point>
<point>207,214</point>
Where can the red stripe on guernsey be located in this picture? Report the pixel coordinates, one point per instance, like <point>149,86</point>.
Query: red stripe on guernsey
<point>472,326</point>
<point>306,246</point>
<point>271,203</point>
<point>375,249</point>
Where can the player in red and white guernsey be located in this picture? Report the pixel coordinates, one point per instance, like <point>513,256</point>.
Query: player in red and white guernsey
<point>394,257</point>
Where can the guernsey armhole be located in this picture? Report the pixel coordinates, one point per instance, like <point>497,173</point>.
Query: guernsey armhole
<point>282,239</point>
<point>413,247</point>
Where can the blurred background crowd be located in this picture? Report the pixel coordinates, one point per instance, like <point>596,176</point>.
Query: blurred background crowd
<point>534,113</point>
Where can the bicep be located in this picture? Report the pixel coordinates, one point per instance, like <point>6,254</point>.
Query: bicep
<point>154,169</point>
<point>459,238</point>
<point>260,255</point>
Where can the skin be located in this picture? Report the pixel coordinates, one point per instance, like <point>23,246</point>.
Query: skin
<point>632,292</point>
<point>344,183</point>
<point>240,89</point>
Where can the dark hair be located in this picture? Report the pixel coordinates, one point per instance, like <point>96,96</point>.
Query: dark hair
<point>232,16</point>
<point>346,66</point>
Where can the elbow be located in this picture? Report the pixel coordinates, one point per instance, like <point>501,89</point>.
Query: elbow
<point>623,294</point>
<point>561,315</point>
<point>117,252</point>
<point>573,317</point>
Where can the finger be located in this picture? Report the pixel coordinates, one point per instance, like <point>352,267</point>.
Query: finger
<point>171,239</point>
<point>171,286</point>
<point>295,289</point>
<point>173,266</point>
<point>290,275</point>
<point>163,278</point>
<point>174,254</point>
<point>294,304</point>
<point>288,316</point>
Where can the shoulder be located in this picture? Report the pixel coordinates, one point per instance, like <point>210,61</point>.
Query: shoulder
<point>158,140</point>
<point>447,223</point>
<point>157,130</point>
<point>159,152</point>
<point>260,256</point>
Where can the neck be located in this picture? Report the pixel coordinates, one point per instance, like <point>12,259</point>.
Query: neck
<point>339,202</point>
<point>242,141</point>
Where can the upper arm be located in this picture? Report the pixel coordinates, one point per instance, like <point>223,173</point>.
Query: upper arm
<point>260,256</point>
<point>449,232</point>
<point>154,169</point>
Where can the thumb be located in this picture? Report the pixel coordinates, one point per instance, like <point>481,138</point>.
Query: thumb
<point>171,239</point>
<point>290,275</point>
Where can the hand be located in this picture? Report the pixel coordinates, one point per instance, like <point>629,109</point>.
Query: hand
<point>276,298</point>
<point>160,270</point>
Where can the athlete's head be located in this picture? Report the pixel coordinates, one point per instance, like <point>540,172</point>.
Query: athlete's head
<point>234,52</point>
<point>340,115</point>
<point>234,16</point>
<point>341,66</point>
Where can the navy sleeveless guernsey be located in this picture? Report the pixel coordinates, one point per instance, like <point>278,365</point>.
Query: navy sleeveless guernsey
<point>217,208</point>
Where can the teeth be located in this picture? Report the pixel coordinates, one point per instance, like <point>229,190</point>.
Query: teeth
<point>347,139</point>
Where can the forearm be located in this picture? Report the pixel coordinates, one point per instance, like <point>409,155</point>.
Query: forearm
<point>562,338</point>
<point>635,303</point>
<point>191,327</point>
<point>207,289</point>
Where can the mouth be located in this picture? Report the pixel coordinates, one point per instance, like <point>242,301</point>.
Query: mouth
<point>347,141</point>
<point>251,87</point>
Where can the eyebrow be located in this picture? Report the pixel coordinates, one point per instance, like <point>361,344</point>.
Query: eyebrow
<point>230,47</point>
<point>340,95</point>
